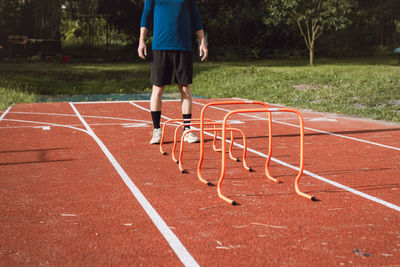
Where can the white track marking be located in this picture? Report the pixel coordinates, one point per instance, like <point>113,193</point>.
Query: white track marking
<point>123,101</point>
<point>323,179</point>
<point>126,125</point>
<point>86,116</point>
<point>146,109</point>
<point>125,119</point>
<point>311,129</point>
<point>176,245</point>
<point>135,125</point>
<point>4,113</point>
<point>323,119</point>
<point>47,123</point>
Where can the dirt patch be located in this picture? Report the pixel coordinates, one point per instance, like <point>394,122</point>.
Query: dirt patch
<point>305,87</point>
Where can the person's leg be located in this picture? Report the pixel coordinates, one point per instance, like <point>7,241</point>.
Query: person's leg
<point>186,106</point>
<point>186,103</point>
<point>183,63</point>
<point>155,108</point>
<point>161,72</point>
<point>156,105</point>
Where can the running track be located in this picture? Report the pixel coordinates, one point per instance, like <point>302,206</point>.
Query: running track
<point>80,185</point>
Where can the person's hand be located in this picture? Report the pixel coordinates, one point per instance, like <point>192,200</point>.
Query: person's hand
<point>142,49</point>
<point>203,51</point>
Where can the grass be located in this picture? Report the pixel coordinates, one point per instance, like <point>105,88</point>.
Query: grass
<point>367,87</point>
<point>364,87</point>
<point>9,96</point>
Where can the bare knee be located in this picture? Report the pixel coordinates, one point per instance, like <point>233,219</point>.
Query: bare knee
<point>157,91</point>
<point>185,91</point>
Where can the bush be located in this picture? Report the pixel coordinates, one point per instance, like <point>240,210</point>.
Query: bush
<point>382,50</point>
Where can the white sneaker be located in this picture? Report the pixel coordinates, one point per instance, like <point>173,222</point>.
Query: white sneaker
<point>191,137</point>
<point>156,136</point>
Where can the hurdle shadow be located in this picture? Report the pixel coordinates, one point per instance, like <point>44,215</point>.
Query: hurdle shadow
<point>172,141</point>
<point>34,162</point>
<point>35,150</point>
<point>39,154</point>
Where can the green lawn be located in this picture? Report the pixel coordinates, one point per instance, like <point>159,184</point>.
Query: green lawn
<point>368,87</point>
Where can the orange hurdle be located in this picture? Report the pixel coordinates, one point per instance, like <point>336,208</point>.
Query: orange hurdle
<point>269,110</point>
<point>202,129</point>
<point>175,120</point>
<point>230,147</point>
<point>210,122</point>
<point>214,140</point>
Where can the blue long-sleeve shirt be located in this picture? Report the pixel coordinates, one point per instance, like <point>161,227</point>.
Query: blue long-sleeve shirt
<point>173,23</point>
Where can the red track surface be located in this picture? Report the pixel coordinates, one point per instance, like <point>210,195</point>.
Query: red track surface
<point>63,201</point>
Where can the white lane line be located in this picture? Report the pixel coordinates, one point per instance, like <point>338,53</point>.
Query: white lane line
<point>177,246</point>
<point>122,101</point>
<point>323,119</point>
<point>72,115</point>
<point>125,125</point>
<point>4,113</point>
<point>47,123</point>
<point>133,103</point>
<point>68,215</point>
<point>123,119</point>
<point>323,179</point>
<point>311,129</point>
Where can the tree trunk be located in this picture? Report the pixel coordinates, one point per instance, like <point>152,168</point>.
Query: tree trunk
<point>238,34</point>
<point>382,26</point>
<point>311,55</point>
<point>108,40</point>
<point>90,37</point>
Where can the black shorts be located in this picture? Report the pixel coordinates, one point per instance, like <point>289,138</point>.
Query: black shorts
<point>168,63</point>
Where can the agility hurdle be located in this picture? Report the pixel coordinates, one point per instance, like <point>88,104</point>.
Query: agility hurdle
<point>202,129</point>
<point>175,136</point>
<point>267,171</point>
<point>203,122</point>
<point>230,147</point>
<point>210,122</point>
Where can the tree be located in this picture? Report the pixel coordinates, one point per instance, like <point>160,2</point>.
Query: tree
<point>381,18</point>
<point>124,15</point>
<point>46,17</point>
<point>237,25</point>
<point>312,17</point>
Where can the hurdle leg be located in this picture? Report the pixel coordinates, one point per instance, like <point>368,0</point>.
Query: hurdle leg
<point>175,144</point>
<point>223,169</point>
<point>162,140</point>
<point>297,180</point>
<point>181,151</point>
<point>179,161</point>
<point>244,161</point>
<point>163,134</point>
<point>175,120</point>
<point>267,171</point>
<point>230,147</point>
<point>215,142</point>
<point>180,164</point>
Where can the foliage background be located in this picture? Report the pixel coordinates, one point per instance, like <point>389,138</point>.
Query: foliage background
<point>109,29</point>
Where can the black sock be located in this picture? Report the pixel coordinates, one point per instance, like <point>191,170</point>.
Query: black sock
<point>156,116</point>
<point>186,120</point>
